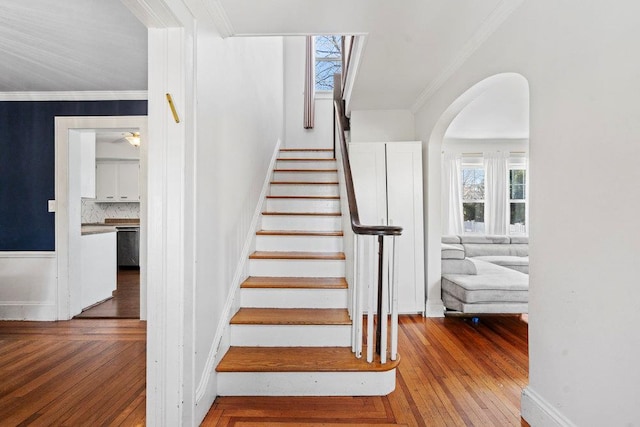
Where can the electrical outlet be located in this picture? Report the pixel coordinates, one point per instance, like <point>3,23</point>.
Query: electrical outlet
<point>51,205</point>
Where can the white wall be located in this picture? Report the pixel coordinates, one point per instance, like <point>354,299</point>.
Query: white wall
<point>321,136</point>
<point>583,338</point>
<point>382,125</point>
<point>240,121</point>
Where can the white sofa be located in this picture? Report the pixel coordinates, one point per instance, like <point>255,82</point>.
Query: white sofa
<point>484,274</point>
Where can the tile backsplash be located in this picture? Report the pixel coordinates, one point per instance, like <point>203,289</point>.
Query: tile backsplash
<point>93,212</point>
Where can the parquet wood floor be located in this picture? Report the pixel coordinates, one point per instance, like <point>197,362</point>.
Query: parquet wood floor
<point>125,304</point>
<point>74,373</point>
<point>452,373</point>
<point>92,372</point>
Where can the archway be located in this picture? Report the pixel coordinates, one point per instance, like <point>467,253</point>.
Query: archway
<point>477,94</point>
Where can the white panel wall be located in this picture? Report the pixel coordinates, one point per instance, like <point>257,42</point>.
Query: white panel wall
<point>583,338</point>
<point>382,125</point>
<point>28,286</point>
<point>321,136</point>
<point>239,122</point>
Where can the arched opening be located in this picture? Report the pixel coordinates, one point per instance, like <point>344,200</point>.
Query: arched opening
<point>490,117</point>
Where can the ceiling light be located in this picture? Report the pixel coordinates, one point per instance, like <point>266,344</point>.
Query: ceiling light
<point>134,139</point>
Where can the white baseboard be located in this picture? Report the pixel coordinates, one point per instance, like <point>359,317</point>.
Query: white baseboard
<point>539,412</point>
<point>207,387</point>
<point>17,310</point>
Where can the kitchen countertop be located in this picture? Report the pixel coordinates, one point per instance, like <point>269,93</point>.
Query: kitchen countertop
<point>88,229</point>
<point>109,226</point>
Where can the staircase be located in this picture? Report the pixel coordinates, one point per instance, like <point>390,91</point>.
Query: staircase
<point>292,334</point>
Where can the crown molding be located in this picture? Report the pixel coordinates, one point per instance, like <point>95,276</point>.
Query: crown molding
<point>220,18</point>
<point>486,29</point>
<point>97,95</point>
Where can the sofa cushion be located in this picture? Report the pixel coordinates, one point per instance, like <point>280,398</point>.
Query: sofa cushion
<point>452,251</point>
<point>492,284</point>
<point>484,238</point>
<point>519,240</point>
<point>451,239</point>
<point>458,266</point>
<point>488,249</point>
<point>518,263</point>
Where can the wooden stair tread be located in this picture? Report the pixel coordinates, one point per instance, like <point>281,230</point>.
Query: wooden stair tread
<point>297,255</point>
<point>303,183</point>
<point>305,197</point>
<point>291,316</point>
<point>304,213</point>
<point>299,233</point>
<point>306,170</point>
<point>298,359</point>
<point>295,282</point>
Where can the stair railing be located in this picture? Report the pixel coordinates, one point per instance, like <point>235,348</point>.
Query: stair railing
<point>380,285</point>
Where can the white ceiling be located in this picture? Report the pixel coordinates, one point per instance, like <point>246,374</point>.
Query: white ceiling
<point>500,112</point>
<point>411,44</point>
<point>71,45</point>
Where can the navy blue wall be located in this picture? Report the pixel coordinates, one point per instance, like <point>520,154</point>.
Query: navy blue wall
<point>27,165</point>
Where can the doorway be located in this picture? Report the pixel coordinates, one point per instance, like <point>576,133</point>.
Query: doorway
<point>71,137</point>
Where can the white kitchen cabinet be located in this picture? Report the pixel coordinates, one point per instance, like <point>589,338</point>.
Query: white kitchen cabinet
<point>87,164</point>
<point>117,181</point>
<point>388,184</point>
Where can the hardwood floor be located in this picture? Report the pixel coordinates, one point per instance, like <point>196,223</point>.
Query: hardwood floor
<point>125,304</point>
<point>452,373</point>
<point>92,372</point>
<point>74,373</point>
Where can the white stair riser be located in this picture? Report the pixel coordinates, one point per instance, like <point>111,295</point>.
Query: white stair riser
<point>293,298</point>
<point>290,335</point>
<point>303,205</point>
<point>306,383</point>
<point>304,190</point>
<point>305,176</point>
<point>305,155</point>
<point>299,243</point>
<point>296,268</point>
<point>301,223</point>
<point>303,164</point>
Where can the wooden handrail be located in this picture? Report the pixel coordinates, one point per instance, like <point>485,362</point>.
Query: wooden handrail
<point>356,226</point>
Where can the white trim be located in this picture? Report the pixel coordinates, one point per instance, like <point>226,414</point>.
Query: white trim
<point>67,264</point>
<point>28,310</point>
<point>238,277</point>
<point>539,412</point>
<point>356,57</point>
<point>220,18</point>
<point>27,254</point>
<point>434,308</point>
<point>488,27</point>
<point>96,95</point>
<point>152,13</point>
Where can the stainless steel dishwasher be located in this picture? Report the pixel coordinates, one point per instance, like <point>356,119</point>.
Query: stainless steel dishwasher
<point>128,246</point>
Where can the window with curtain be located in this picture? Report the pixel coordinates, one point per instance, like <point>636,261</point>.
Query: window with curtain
<point>328,60</point>
<point>473,193</point>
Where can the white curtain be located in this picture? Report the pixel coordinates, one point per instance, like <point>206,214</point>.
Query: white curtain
<point>309,83</point>
<point>452,194</point>
<point>496,198</point>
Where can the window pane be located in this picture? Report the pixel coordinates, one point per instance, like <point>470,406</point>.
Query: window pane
<point>473,214</point>
<point>472,184</point>
<point>328,47</point>
<point>517,213</point>
<point>324,73</point>
<point>517,184</point>
<point>328,60</point>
